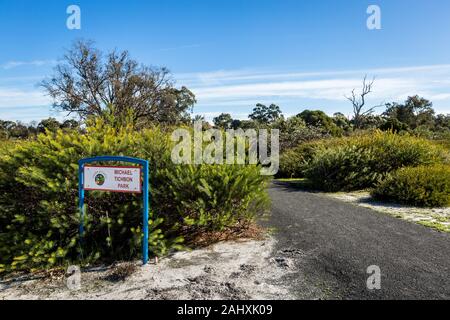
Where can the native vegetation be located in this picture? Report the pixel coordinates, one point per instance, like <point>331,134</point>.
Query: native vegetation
<point>123,108</point>
<point>38,198</point>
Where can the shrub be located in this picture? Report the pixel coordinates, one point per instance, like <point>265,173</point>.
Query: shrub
<point>294,131</point>
<point>6,145</point>
<point>294,161</point>
<point>38,199</point>
<point>394,125</point>
<point>359,162</point>
<point>291,164</point>
<point>427,186</point>
<point>210,197</point>
<point>443,138</point>
<point>341,168</point>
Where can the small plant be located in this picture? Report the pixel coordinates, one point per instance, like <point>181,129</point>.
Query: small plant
<point>425,186</point>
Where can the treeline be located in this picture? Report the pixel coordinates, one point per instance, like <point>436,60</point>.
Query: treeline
<point>92,84</point>
<point>415,115</point>
<point>19,130</point>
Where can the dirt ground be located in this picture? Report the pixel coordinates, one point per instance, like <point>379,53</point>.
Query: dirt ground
<point>246,269</point>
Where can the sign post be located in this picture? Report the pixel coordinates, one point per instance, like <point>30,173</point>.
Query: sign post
<point>115,179</point>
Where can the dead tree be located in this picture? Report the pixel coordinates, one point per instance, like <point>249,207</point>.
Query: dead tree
<point>359,101</point>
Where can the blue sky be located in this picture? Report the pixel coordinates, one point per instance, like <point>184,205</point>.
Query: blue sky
<point>233,54</point>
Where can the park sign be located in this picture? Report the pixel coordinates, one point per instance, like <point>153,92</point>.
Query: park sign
<point>114,178</point>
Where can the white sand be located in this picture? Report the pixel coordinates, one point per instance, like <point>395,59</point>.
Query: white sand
<point>436,217</point>
<point>228,270</point>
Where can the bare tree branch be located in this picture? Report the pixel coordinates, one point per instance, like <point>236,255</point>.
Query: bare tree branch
<point>358,101</point>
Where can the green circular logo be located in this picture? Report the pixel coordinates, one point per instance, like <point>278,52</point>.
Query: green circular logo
<point>99,179</point>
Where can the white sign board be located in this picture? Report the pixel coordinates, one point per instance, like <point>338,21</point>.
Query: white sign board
<point>114,179</point>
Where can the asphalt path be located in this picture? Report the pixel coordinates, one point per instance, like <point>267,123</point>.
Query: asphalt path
<point>332,244</point>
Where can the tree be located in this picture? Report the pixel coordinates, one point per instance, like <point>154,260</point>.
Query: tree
<point>320,120</point>
<point>342,121</point>
<point>50,124</point>
<point>198,117</point>
<point>87,82</point>
<point>394,125</point>
<point>265,115</point>
<point>70,124</point>
<point>370,121</point>
<point>359,102</point>
<point>223,121</point>
<point>400,112</point>
<point>442,122</point>
<point>236,123</point>
<point>415,112</point>
<point>5,128</point>
<point>19,131</point>
<point>422,109</point>
<point>294,131</point>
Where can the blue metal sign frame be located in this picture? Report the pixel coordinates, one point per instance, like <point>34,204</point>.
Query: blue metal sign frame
<point>145,192</point>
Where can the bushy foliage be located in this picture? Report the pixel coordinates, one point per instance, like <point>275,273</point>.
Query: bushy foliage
<point>265,114</point>
<point>294,131</point>
<point>6,145</point>
<point>427,186</point>
<point>38,198</point>
<point>342,168</point>
<point>294,161</point>
<point>10,130</point>
<point>444,140</point>
<point>342,122</point>
<point>359,162</point>
<point>209,197</point>
<point>320,120</point>
<point>291,164</point>
<point>392,124</point>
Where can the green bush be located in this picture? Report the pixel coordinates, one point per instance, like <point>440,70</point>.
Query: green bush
<point>359,162</point>
<point>342,168</point>
<point>6,145</point>
<point>426,186</point>
<point>39,195</point>
<point>443,138</point>
<point>210,197</point>
<point>394,125</point>
<point>294,161</point>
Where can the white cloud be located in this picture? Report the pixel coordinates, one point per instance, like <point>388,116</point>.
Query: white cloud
<point>248,86</point>
<point>255,75</point>
<point>35,63</point>
<point>333,89</point>
<point>14,97</point>
<point>439,97</point>
<point>237,91</point>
